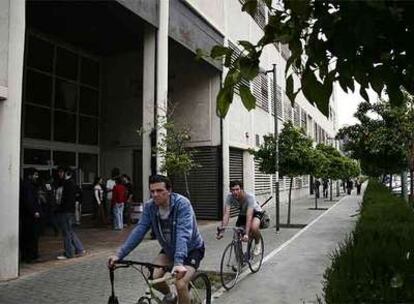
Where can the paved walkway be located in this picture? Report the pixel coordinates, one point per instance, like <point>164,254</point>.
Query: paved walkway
<point>293,270</point>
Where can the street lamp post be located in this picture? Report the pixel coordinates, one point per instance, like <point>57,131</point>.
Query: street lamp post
<point>277,198</point>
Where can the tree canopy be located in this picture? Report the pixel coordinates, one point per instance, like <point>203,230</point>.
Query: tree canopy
<point>369,42</point>
<point>383,140</point>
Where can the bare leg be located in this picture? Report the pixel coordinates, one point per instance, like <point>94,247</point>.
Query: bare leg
<point>182,286</point>
<point>163,260</point>
<point>254,229</point>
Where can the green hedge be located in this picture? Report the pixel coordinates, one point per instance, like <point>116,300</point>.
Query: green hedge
<point>376,263</point>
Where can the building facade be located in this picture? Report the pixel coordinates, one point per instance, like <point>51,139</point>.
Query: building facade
<point>79,79</point>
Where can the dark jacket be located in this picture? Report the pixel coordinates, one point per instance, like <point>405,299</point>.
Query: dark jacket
<point>68,197</point>
<point>29,200</point>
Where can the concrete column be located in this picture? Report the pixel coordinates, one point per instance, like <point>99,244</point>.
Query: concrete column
<point>162,73</point>
<point>10,121</point>
<point>150,36</point>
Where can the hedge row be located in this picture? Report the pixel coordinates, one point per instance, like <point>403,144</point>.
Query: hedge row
<point>376,262</point>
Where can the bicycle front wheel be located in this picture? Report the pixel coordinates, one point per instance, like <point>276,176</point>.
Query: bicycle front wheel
<point>229,267</point>
<point>200,289</point>
<point>256,252</point>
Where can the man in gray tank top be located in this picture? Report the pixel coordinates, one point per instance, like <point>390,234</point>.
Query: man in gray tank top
<point>250,213</point>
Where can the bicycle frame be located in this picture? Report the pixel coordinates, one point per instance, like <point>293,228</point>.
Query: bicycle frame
<point>151,293</point>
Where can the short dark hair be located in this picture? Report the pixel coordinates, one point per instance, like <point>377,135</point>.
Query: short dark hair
<point>235,183</point>
<point>157,178</point>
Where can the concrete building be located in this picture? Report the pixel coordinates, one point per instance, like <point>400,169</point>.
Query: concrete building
<point>78,79</point>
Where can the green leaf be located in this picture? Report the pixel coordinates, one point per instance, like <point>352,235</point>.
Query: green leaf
<point>250,7</point>
<point>224,99</point>
<point>247,46</point>
<point>219,50</point>
<point>249,68</point>
<point>200,54</point>
<point>247,98</point>
<point>376,80</point>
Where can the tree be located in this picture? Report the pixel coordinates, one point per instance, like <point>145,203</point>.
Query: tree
<point>369,42</point>
<point>294,156</point>
<point>384,138</point>
<point>178,160</point>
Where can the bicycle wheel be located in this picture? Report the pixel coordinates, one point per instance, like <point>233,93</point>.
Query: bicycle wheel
<point>144,300</point>
<point>200,289</point>
<point>255,255</point>
<point>229,267</point>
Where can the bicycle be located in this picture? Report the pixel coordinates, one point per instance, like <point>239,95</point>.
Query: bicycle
<point>234,258</point>
<point>199,287</point>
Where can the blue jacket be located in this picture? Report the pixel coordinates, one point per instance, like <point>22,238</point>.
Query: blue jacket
<point>185,235</point>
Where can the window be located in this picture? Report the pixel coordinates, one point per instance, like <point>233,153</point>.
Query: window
<point>37,122</point>
<point>278,99</point>
<point>65,127</point>
<point>260,16</point>
<point>66,95</point>
<point>261,180</point>
<point>287,107</point>
<point>36,157</point>
<point>260,92</point>
<point>236,54</point>
<point>296,115</point>
<point>60,85</point>
<point>89,101</point>
<point>40,54</point>
<point>88,164</point>
<point>38,89</point>
<point>90,72</point>
<point>303,121</point>
<point>66,64</point>
<point>88,130</point>
<point>63,158</point>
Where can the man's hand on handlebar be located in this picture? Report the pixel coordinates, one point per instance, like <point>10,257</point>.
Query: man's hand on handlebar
<point>179,271</point>
<point>112,260</point>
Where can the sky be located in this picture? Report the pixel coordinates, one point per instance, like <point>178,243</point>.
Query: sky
<point>348,103</point>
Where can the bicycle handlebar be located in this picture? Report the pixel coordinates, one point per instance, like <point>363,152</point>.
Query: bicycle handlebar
<point>128,263</point>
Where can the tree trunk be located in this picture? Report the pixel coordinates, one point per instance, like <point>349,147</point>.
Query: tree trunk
<point>390,185</point>
<point>290,201</point>
<point>411,185</point>
<point>404,192</point>
<point>330,190</point>
<point>316,198</point>
<point>337,187</point>
<point>187,189</point>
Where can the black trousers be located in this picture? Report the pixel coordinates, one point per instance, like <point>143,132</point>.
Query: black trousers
<point>29,241</point>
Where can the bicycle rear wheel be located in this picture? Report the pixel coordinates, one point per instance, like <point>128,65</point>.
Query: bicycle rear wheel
<point>200,289</point>
<point>229,267</point>
<point>255,260</point>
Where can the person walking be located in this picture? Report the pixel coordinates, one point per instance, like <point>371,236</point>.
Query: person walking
<point>30,217</point>
<point>65,212</point>
<point>316,185</point>
<point>119,197</point>
<point>325,184</point>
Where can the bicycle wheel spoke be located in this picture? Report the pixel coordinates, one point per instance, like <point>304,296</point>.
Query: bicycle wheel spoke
<point>229,267</point>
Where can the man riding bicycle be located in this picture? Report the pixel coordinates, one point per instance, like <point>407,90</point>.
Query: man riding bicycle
<point>250,213</point>
<point>172,219</point>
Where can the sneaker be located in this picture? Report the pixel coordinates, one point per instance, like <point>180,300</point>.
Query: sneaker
<point>62,257</point>
<point>258,248</point>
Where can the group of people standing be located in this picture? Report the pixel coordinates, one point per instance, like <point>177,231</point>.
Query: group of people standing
<point>55,203</point>
<point>113,198</point>
<point>64,193</point>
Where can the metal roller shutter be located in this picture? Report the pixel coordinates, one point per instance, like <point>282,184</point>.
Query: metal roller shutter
<point>204,183</point>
